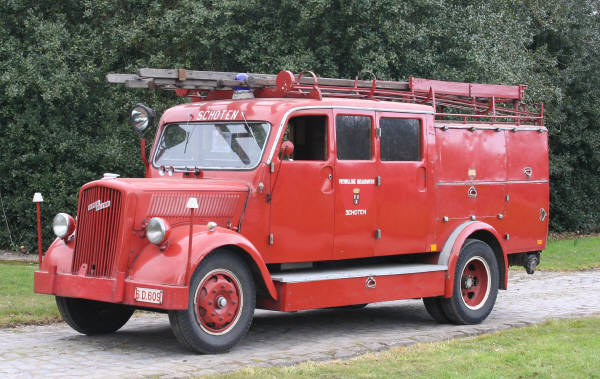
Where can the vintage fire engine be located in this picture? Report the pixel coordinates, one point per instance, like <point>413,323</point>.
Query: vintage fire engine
<point>288,193</point>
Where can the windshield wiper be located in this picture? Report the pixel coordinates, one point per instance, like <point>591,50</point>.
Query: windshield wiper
<point>187,140</point>
<point>248,126</point>
<point>188,134</point>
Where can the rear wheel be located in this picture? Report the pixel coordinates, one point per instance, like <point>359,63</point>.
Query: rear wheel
<point>93,317</point>
<point>353,306</point>
<point>475,284</point>
<point>349,307</point>
<point>220,306</point>
<point>433,305</point>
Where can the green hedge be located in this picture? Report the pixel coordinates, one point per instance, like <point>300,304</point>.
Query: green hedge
<point>62,125</point>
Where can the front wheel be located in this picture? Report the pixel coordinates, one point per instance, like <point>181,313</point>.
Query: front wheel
<point>220,305</point>
<point>475,284</point>
<point>93,317</point>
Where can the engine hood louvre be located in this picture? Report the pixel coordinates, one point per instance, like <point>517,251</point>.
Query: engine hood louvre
<point>219,200</point>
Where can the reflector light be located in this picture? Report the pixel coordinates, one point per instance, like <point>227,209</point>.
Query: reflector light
<point>242,92</point>
<point>156,230</point>
<point>63,225</point>
<point>141,117</point>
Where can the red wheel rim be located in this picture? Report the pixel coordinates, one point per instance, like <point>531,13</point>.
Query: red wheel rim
<point>218,301</point>
<point>474,283</point>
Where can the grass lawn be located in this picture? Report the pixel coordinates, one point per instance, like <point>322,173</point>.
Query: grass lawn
<point>571,254</point>
<point>560,349</point>
<point>19,304</point>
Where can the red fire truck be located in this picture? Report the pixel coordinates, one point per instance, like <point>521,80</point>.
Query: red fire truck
<point>288,193</point>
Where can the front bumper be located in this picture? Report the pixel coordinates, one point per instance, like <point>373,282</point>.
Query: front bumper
<point>111,290</point>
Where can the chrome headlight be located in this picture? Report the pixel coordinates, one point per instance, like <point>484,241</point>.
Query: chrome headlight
<point>63,225</point>
<point>141,117</point>
<point>157,230</point>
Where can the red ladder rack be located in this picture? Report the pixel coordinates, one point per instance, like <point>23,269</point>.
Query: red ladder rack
<point>452,101</point>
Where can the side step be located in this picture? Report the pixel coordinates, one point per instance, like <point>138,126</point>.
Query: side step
<point>322,288</point>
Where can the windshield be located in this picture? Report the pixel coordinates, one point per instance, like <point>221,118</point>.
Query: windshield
<point>220,145</point>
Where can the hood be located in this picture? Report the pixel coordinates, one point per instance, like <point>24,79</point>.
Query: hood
<point>221,201</point>
<point>172,184</point>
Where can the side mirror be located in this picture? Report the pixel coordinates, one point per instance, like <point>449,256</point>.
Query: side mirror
<point>287,150</point>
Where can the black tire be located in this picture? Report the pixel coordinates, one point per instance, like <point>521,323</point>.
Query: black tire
<point>220,305</point>
<point>93,317</point>
<point>433,306</point>
<point>352,306</point>
<point>475,284</point>
<point>348,307</point>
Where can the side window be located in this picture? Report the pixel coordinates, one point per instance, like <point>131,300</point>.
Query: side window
<point>309,136</point>
<point>353,135</point>
<point>400,139</point>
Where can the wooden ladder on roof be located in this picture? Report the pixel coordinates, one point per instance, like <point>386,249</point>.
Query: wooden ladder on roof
<point>465,102</point>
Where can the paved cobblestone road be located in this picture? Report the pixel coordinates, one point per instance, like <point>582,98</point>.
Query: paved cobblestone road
<point>146,346</point>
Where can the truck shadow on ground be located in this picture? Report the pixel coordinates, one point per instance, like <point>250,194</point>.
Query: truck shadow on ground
<point>331,321</point>
<point>278,329</point>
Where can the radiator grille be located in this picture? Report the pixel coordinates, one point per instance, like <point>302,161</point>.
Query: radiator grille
<point>98,224</point>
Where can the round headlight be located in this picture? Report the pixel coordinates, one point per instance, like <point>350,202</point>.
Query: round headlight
<point>157,230</point>
<point>63,225</point>
<point>141,117</point>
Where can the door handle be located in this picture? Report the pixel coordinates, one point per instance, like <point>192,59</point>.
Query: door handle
<point>422,178</point>
<point>327,186</point>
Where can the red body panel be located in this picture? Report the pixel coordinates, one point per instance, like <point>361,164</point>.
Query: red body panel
<point>117,290</point>
<point>303,190</point>
<point>303,211</point>
<point>405,212</point>
<point>452,247</point>
<point>318,294</point>
<point>355,224</point>
<point>528,194</point>
<point>151,268</point>
<point>480,174</point>
<point>168,266</point>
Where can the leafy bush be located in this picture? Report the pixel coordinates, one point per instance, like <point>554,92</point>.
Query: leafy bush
<point>62,125</point>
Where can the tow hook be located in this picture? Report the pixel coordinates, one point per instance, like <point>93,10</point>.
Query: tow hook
<point>533,259</point>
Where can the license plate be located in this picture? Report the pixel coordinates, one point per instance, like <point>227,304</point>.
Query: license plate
<point>148,295</point>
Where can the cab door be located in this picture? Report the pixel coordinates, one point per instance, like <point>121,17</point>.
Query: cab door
<point>405,203</point>
<point>355,184</point>
<point>302,193</point>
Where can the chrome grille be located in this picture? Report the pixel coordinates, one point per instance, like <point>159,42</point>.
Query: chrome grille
<point>98,225</point>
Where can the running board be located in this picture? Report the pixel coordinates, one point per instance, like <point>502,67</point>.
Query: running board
<point>323,288</point>
<point>354,272</point>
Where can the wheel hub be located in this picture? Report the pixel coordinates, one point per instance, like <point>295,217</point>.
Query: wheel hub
<point>221,302</point>
<point>475,283</point>
<point>218,302</point>
<point>469,281</point>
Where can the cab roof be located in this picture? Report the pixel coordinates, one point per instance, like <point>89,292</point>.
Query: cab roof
<point>269,109</point>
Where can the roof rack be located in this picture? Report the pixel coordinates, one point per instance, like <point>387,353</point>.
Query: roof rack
<point>452,101</point>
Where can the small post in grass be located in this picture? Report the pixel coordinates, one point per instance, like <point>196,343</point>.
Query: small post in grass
<point>38,199</point>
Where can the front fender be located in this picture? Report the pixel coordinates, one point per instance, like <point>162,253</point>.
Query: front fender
<point>59,254</point>
<point>453,245</point>
<point>169,266</point>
